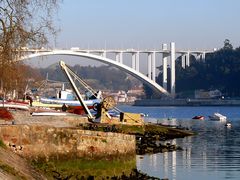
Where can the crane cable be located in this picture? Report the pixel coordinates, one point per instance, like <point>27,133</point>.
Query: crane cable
<point>92,90</point>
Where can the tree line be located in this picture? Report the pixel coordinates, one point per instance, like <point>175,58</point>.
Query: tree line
<point>101,77</point>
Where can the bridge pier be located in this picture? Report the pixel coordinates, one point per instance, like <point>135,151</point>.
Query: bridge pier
<point>183,61</point>
<point>203,56</point>
<point>164,65</point>
<point>188,59</point>
<point>172,66</point>
<point>150,65</point>
<point>154,66</point>
<point>103,54</point>
<point>137,61</point>
<point>119,57</point>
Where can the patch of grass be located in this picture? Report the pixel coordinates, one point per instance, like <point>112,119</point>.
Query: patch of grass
<point>127,129</point>
<point>83,167</point>
<point>2,144</point>
<point>168,132</point>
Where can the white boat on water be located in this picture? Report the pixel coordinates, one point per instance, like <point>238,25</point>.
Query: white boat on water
<point>218,117</point>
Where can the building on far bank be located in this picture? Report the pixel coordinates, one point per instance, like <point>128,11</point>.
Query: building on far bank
<point>202,94</point>
<point>126,97</point>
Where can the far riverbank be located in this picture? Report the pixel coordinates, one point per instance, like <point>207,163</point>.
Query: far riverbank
<point>187,102</point>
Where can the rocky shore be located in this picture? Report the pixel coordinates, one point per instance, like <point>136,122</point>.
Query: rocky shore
<point>148,137</point>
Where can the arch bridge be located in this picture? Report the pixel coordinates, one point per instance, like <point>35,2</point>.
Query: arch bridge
<point>101,56</point>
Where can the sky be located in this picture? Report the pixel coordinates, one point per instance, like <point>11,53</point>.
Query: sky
<point>191,24</point>
<point>147,24</point>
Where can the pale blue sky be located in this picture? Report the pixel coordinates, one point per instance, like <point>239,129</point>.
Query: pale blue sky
<point>145,24</point>
<point>192,24</point>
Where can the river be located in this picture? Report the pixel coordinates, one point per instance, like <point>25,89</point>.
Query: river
<point>214,153</point>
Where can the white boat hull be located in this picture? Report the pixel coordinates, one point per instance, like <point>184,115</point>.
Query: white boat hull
<point>49,114</point>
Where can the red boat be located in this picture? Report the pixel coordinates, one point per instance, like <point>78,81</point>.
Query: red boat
<point>198,117</point>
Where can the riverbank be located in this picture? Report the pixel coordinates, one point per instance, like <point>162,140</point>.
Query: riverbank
<point>61,146</point>
<point>187,102</point>
<point>147,136</point>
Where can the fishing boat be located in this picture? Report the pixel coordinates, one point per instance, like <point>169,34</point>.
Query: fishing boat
<point>66,97</point>
<point>217,117</point>
<point>67,102</point>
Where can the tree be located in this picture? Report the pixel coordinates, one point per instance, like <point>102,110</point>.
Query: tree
<point>23,23</point>
<point>227,45</point>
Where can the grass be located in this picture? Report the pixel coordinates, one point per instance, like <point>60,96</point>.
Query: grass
<point>127,129</point>
<point>2,144</point>
<point>83,167</point>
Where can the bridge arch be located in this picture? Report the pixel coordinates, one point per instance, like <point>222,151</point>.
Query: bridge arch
<point>105,60</point>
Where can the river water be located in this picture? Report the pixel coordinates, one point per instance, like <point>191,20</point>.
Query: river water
<point>214,153</point>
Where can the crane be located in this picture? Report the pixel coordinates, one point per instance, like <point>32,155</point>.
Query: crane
<point>103,107</point>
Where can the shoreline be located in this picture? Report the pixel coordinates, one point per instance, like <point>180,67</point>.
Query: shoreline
<point>187,102</point>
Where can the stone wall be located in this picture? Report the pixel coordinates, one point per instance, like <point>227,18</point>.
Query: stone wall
<point>35,141</point>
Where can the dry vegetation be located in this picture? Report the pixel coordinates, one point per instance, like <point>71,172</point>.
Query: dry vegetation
<point>23,23</point>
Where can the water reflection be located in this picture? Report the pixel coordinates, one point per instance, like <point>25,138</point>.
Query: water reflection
<point>213,154</point>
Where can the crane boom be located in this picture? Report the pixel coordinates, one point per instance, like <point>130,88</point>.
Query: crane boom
<point>66,70</point>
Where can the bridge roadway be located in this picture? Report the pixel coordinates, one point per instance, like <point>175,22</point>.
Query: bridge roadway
<point>101,55</point>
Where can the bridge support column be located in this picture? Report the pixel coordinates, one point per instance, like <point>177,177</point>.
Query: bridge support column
<point>164,66</point>
<point>154,66</point>
<point>203,56</point>
<point>183,61</point>
<point>172,65</point>
<point>119,57</point>
<point>134,60</point>
<point>137,61</point>
<point>103,54</point>
<point>198,57</point>
<point>150,65</point>
<point>188,59</point>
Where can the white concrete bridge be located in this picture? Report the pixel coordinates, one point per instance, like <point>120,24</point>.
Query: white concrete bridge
<point>168,57</point>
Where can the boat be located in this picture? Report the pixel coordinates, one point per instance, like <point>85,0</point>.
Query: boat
<point>14,105</point>
<point>49,113</point>
<point>67,99</point>
<point>218,117</point>
<point>198,117</point>
<point>228,124</point>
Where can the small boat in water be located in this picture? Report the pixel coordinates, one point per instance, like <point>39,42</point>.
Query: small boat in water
<point>228,124</point>
<point>218,117</point>
<point>198,117</point>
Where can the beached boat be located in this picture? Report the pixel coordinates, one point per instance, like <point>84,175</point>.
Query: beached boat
<point>14,105</point>
<point>217,117</point>
<point>49,113</point>
<point>66,98</point>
